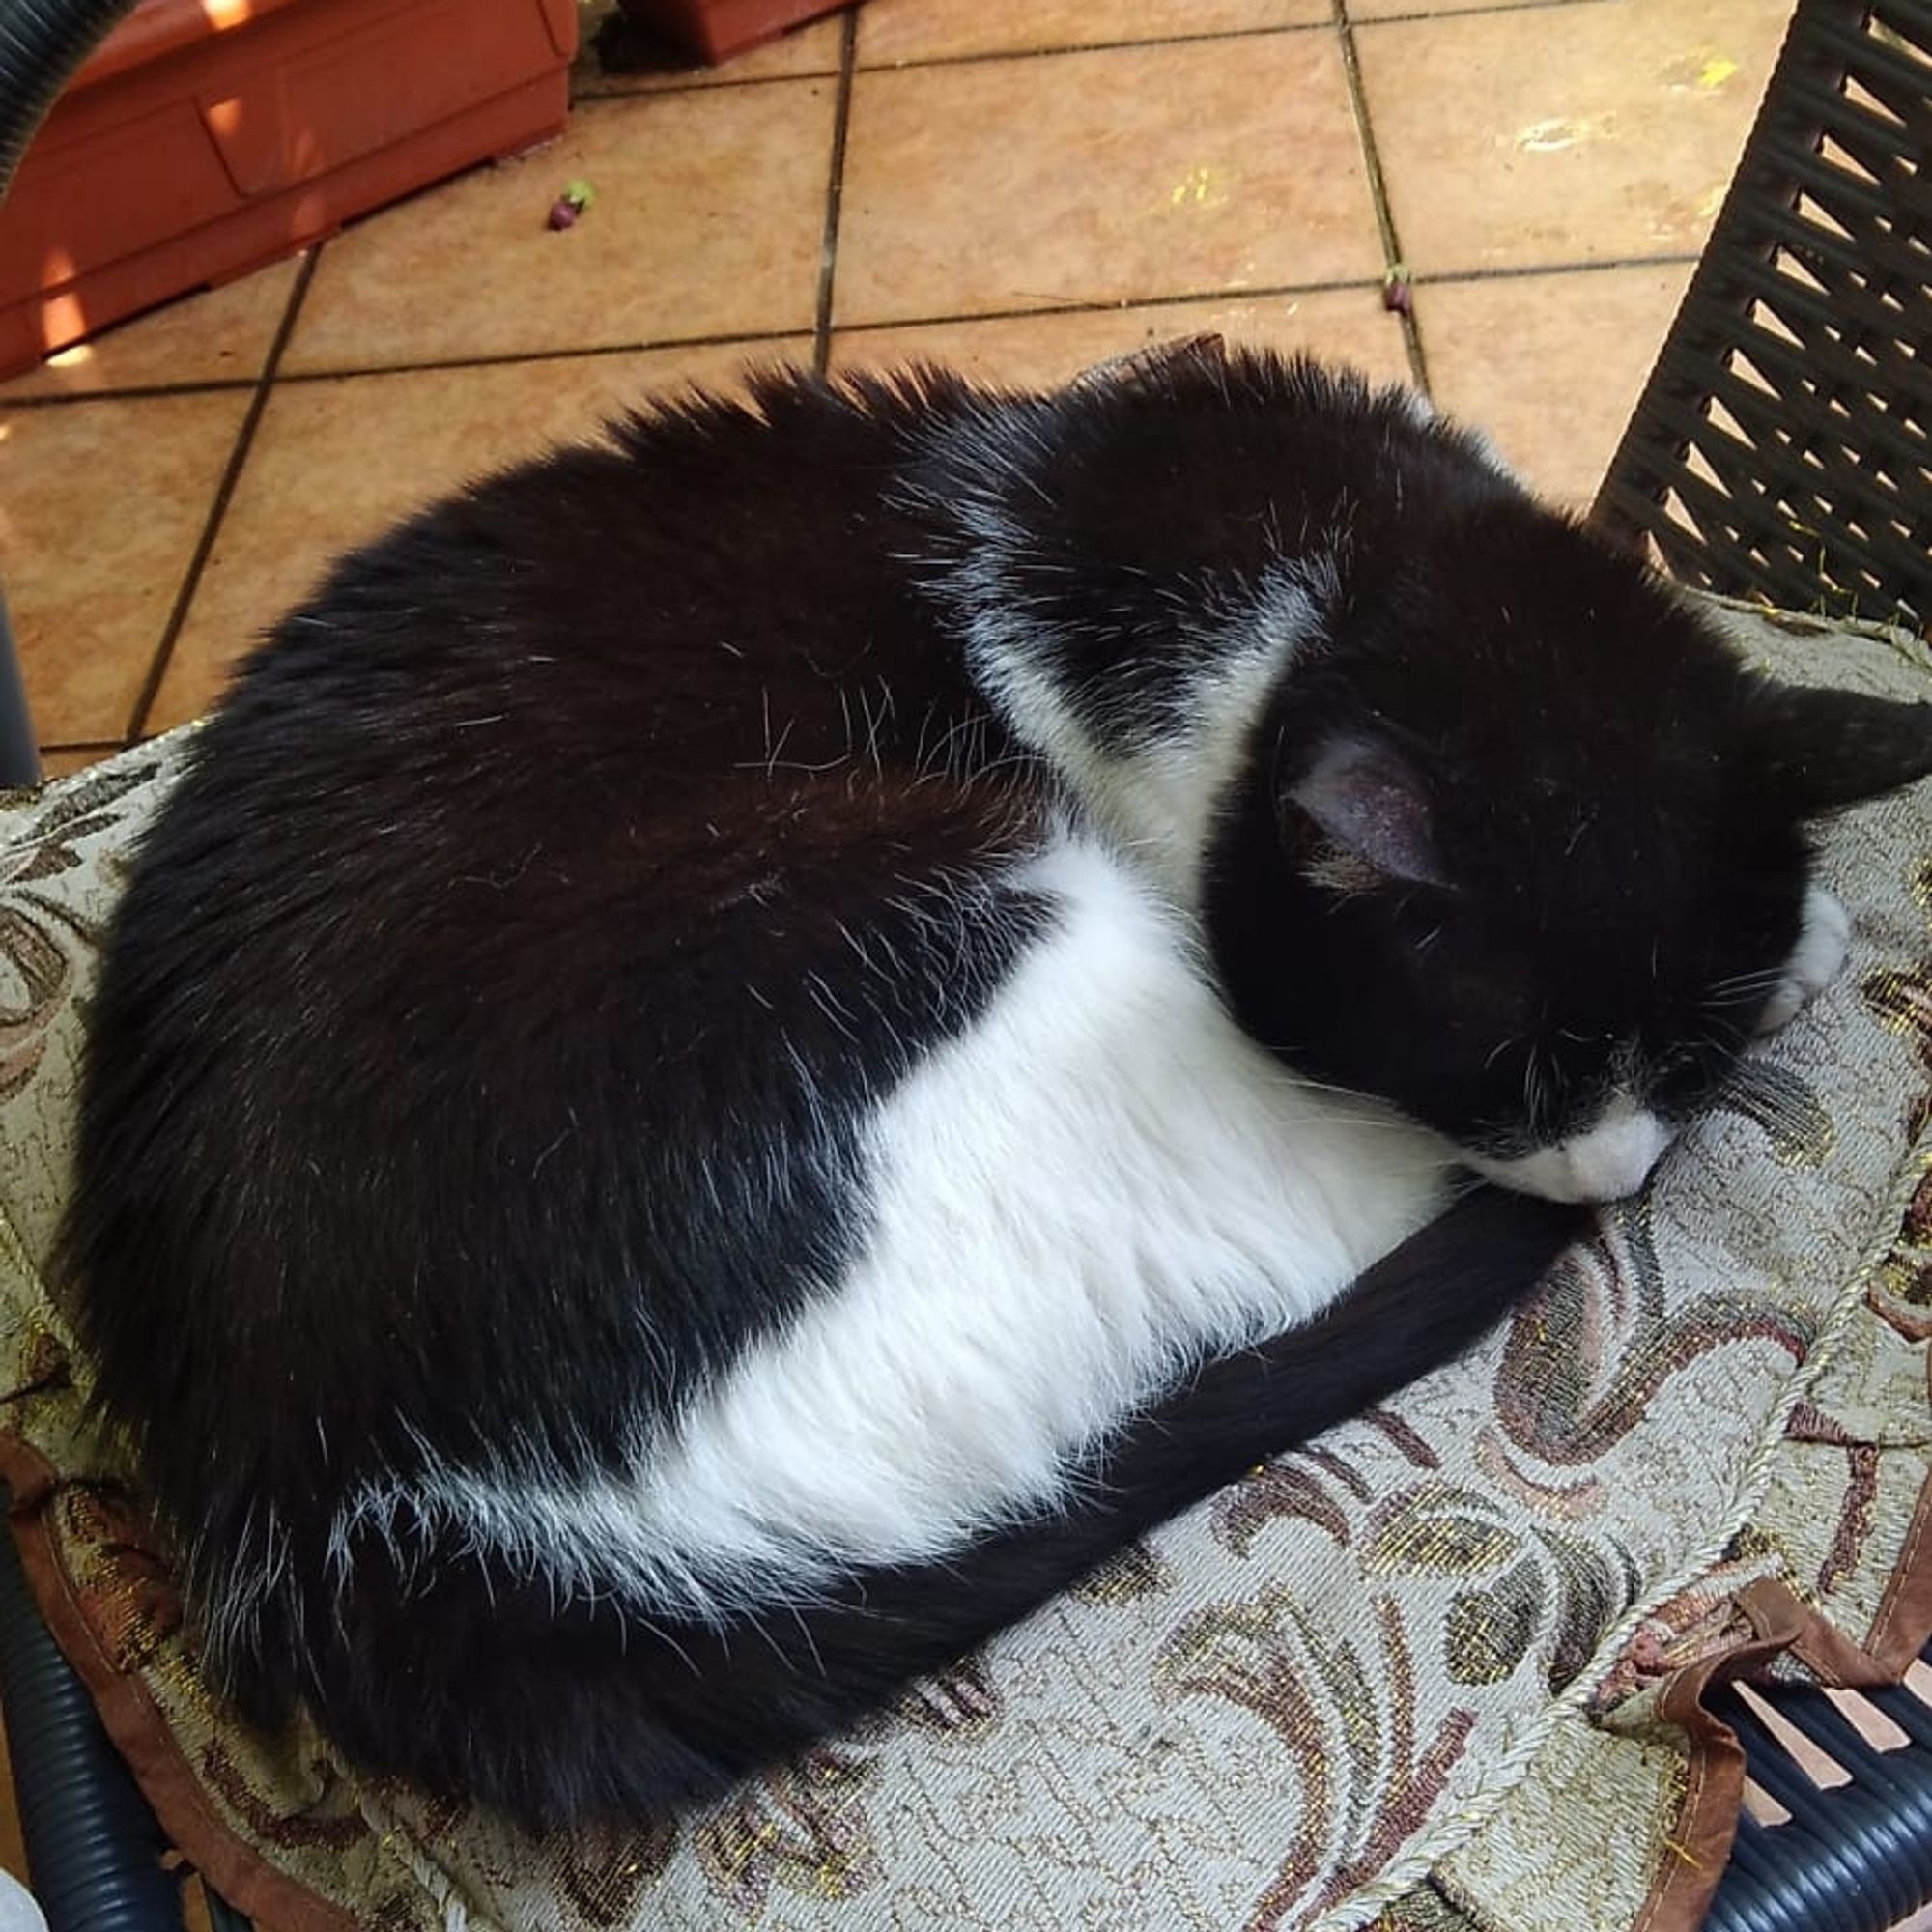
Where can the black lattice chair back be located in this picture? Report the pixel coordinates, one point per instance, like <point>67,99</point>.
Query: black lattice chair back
<point>1783,445</point>
<point>1782,450</point>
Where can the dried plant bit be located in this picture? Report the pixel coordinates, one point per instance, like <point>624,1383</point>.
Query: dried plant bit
<point>1398,292</point>
<point>577,196</point>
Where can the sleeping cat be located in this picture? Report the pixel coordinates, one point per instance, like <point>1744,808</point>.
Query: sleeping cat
<point>743,1050</point>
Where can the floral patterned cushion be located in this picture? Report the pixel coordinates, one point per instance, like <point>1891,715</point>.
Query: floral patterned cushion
<point>1446,1665</point>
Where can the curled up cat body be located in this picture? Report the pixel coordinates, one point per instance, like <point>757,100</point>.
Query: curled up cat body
<point>742,1051</point>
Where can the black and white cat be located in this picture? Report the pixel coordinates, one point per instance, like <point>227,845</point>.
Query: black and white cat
<point>743,1050</point>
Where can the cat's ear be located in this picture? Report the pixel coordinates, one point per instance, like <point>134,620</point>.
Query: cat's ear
<point>1822,749</point>
<point>1373,804</point>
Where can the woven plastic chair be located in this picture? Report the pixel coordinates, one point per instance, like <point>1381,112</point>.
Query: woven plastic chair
<point>1782,450</point>
<point>1783,445</point>
<point>1851,1858</point>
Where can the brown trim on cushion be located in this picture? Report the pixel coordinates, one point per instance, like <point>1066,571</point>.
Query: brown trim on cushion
<point>1707,1820</point>
<point>139,1729</point>
<point>1818,1644</point>
<point>1903,1624</point>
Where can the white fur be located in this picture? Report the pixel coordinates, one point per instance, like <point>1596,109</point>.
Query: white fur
<point>1824,938</point>
<point>1154,796</point>
<point>1606,1161</point>
<point>1158,800</point>
<point>1098,1183</point>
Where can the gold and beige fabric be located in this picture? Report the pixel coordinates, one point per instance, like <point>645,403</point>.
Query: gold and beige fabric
<point>1444,1668</point>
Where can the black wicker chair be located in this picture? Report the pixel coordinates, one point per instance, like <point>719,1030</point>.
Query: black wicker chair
<point>1783,445</point>
<point>1782,450</point>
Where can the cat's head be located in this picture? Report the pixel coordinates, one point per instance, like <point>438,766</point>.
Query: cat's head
<point>1525,853</point>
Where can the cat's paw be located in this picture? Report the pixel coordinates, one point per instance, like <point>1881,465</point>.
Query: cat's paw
<point>1823,940</point>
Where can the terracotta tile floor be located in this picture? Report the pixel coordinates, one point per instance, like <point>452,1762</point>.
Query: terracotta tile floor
<point>1019,186</point>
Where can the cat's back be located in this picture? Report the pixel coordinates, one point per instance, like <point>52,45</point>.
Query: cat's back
<point>584,846</point>
<point>622,597</point>
<point>599,706</point>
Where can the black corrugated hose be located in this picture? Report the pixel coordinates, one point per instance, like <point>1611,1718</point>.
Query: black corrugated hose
<point>42,42</point>
<point>93,1847</point>
<point>19,753</point>
<point>93,1851</point>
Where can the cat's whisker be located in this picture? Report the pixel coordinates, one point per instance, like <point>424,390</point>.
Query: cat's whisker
<point>772,766</point>
<point>1534,1092</point>
<point>1746,985</point>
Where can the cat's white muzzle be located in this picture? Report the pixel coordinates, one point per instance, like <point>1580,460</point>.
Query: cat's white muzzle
<point>1612,1159</point>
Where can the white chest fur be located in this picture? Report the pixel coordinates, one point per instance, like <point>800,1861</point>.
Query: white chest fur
<point>1101,1181</point>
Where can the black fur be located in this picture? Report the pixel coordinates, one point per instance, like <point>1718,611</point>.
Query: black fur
<point>506,910</point>
<point>562,1712</point>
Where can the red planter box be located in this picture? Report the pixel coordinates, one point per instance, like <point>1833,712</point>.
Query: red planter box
<point>717,29</point>
<point>207,136</point>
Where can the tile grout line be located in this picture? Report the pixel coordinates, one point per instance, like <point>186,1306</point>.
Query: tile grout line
<point>206,386</point>
<point>224,491</point>
<point>354,372</point>
<point>1372,161</point>
<point>1261,33</point>
<point>595,95</point>
<point>216,386</point>
<point>1183,298</point>
<point>598,95</point>
<point>748,339</point>
<point>835,193</point>
<point>1515,271</point>
<point>1469,12</point>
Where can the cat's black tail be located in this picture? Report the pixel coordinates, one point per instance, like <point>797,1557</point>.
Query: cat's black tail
<point>581,1711</point>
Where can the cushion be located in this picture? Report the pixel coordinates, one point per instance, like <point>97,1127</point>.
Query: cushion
<point>1447,1664</point>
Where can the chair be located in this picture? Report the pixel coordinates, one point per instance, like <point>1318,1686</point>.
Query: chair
<point>1783,449</point>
